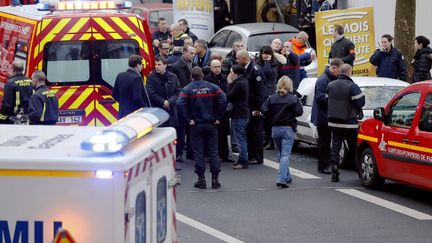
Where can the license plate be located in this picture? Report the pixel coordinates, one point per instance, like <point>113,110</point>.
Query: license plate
<point>69,120</point>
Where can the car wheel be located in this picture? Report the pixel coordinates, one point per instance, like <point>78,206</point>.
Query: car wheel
<point>369,174</point>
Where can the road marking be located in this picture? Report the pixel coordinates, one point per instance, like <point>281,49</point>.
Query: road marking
<point>207,229</point>
<point>386,204</point>
<point>294,172</point>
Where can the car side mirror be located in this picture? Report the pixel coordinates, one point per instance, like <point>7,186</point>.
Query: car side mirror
<point>378,113</point>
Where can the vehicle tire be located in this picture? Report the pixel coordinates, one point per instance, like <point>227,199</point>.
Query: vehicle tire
<point>368,170</point>
<point>269,13</point>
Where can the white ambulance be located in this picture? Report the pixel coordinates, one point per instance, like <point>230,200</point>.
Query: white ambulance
<point>104,185</point>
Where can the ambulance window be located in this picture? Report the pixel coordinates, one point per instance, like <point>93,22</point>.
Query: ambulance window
<point>403,110</point>
<point>140,218</point>
<point>161,209</point>
<point>67,62</point>
<point>114,55</point>
<point>425,123</point>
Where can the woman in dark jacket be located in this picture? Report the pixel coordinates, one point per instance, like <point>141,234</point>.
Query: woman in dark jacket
<point>270,68</point>
<point>282,109</point>
<point>422,59</point>
<point>238,93</point>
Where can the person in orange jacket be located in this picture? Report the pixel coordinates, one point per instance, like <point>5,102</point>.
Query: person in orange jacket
<point>299,48</point>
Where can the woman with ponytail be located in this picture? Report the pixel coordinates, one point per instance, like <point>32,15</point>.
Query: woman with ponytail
<point>281,109</point>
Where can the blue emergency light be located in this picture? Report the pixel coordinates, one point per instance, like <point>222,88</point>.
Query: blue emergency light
<point>117,136</point>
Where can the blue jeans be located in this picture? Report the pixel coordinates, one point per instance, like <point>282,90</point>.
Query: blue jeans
<point>283,137</point>
<point>239,133</point>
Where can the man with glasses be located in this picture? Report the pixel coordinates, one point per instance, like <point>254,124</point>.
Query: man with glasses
<point>164,49</point>
<point>129,88</point>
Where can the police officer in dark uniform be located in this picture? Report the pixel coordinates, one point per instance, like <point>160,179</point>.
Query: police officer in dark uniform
<point>202,104</point>
<point>255,126</point>
<point>345,102</point>
<point>43,105</point>
<point>17,92</point>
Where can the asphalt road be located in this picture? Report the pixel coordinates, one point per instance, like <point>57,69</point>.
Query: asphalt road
<point>250,208</point>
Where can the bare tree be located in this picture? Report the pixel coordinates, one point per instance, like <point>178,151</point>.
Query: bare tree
<point>405,30</point>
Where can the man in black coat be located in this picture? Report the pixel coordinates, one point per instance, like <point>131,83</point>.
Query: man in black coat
<point>342,47</point>
<point>164,88</point>
<point>319,114</point>
<point>216,77</point>
<point>182,69</point>
<point>43,104</point>
<point>255,126</point>
<point>129,88</point>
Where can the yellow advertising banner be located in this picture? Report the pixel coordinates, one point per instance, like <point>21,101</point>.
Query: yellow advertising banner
<point>358,24</point>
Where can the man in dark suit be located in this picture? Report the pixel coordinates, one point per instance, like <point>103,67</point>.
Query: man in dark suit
<point>129,88</point>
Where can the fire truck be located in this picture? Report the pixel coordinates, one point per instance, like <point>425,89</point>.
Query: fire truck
<point>113,184</point>
<point>81,46</point>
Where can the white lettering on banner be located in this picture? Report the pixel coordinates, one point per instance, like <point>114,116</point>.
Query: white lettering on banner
<point>13,27</point>
<point>354,27</point>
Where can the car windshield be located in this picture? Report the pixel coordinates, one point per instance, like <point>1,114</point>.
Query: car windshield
<point>255,42</point>
<point>378,96</point>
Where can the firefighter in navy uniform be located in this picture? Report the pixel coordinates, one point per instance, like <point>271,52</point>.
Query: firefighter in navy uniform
<point>43,104</point>
<point>344,108</point>
<point>202,105</point>
<point>17,92</point>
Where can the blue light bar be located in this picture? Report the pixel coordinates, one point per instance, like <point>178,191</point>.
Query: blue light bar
<point>132,127</point>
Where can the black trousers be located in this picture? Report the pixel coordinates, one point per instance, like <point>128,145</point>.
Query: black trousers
<point>324,143</point>
<point>183,139</point>
<point>255,138</point>
<point>204,141</point>
<point>338,136</point>
<point>223,132</point>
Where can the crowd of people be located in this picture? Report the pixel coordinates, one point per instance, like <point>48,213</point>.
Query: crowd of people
<point>252,100</point>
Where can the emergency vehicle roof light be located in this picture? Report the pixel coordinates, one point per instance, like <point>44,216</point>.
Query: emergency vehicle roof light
<point>117,136</point>
<point>83,5</point>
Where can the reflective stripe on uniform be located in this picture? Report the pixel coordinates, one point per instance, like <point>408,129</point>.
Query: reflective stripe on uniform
<point>357,96</point>
<point>339,125</point>
<point>43,113</point>
<point>3,117</point>
<point>17,101</point>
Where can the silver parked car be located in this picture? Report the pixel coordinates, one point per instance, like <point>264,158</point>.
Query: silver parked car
<point>255,36</point>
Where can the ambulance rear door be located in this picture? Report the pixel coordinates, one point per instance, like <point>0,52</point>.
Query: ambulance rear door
<point>151,196</point>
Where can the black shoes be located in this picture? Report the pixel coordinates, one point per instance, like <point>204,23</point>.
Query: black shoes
<point>324,171</point>
<point>281,185</point>
<point>335,176</point>
<point>201,183</point>
<point>215,182</point>
<point>235,149</point>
